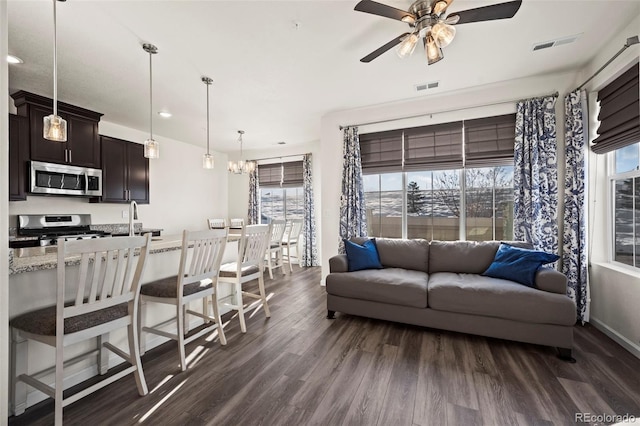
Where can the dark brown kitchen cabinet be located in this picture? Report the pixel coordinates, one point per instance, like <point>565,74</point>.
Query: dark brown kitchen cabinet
<point>125,171</point>
<point>83,144</point>
<point>18,140</point>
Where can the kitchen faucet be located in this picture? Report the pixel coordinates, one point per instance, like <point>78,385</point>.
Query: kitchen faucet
<point>133,215</point>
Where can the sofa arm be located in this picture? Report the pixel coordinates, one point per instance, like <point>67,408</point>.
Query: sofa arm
<point>339,263</point>
<point>550,280</point>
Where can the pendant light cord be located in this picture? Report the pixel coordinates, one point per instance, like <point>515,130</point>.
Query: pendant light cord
<point>150,96</point>
<point>208,84</point>
<point>55,60</point>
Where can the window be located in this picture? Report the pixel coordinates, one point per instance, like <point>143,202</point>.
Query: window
<point>281,194</point>
<point>625,190</point>
<point>447,181</point>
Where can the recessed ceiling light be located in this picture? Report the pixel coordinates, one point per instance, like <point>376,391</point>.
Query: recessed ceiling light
<point>164,114</point>
<point>14,60</point>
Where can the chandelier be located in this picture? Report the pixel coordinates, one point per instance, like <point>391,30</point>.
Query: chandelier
<point>241,166</point>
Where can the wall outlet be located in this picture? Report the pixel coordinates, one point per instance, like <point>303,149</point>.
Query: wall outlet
<point>125,214</point>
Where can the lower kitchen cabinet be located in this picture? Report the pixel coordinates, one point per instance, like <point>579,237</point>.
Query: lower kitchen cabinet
<point>18,156</point>
<point>125,171</point>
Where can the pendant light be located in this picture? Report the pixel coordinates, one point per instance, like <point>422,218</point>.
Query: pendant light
<point>241,166</point>
<point>207,160</point>
<point>55,127</point>
<point>151,147</point>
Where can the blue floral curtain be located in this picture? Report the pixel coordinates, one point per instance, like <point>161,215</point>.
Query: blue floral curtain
<point>535,174</point>
<point>254,198</point>
<point>310,253</point>
<point>574,244</point>
<point>353,212</point>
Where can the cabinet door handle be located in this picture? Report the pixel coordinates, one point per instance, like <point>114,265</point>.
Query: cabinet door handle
<point>66,155</point>
<point>70,160</point>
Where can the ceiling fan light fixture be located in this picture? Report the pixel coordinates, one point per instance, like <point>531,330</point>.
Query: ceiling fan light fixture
<point>440,7</point>
<point>443,34</point>
<point>434,53</point>
<point>407,46</point>
<point>452,19</point>
<point>408,19</point>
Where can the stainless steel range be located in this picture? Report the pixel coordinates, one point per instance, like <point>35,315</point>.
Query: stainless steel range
<point>49,227</point>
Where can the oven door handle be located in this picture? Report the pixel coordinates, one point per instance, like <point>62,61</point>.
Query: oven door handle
<point>86,183</point>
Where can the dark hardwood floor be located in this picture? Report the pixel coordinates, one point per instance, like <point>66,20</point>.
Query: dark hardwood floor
<point>300,368</point>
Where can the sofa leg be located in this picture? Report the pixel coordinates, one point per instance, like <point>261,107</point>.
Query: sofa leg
<point>565,355</point>
<point>331,314</point>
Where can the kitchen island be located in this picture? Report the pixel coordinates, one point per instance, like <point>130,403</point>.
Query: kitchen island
<point>32,285</point>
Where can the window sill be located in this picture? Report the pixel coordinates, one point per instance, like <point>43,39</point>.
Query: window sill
<point>618,268</point>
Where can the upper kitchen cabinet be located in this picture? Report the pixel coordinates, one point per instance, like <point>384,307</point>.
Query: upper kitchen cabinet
<point>83,144</point>
<point>125,171</point>
<point>18,139</point>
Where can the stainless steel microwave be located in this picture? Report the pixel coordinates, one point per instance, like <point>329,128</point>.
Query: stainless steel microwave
<point>61,179</point>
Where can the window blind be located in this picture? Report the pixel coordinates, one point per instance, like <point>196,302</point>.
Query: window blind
<point>619,113</point>
<point>289,174</point>
<point>436,147</point>
<point>489,141</point>
<point>381,152</point>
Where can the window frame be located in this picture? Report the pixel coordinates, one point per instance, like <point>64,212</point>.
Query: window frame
<point>612,177</point>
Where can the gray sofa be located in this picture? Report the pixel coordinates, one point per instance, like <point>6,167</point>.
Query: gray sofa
<point>438,284</point>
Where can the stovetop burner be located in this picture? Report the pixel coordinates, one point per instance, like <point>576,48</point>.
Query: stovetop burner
<point>48,228</point>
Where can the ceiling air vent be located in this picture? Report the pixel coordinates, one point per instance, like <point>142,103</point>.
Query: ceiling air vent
<point>427,86</point>
<point>556,42</point>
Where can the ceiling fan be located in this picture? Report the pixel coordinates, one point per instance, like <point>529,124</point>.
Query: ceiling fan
<point>429,21</point>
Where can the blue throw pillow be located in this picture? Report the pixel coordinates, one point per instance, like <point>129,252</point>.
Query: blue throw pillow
<point>518,264</point>
<point>363,256</point>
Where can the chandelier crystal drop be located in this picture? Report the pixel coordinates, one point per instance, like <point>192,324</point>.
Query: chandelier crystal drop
<point>55,127</point>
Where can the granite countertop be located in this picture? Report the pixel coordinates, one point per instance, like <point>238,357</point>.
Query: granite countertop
<point>41,258</point>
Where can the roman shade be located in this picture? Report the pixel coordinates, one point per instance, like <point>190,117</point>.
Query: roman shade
<point>619,113</point>
<point>280,175</point>
<point>381,152</point>
<point>489,141</point>
<point>436,147</point>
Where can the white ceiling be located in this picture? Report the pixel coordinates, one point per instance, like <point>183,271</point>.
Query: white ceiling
<point>277,66</point>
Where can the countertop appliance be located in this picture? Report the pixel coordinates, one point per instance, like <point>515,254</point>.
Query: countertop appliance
<point>47,228</point>
<point>61,179</point>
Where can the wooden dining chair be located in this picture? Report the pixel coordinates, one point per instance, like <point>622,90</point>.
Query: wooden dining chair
<point>290,242</point>
<point>105,289</point>
<point>197,278</point>
<point>217,223</point>
<point>248,267</point>
<point>274,251</point>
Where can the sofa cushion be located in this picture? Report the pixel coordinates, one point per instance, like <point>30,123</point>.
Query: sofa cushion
<point>390,285</point>
<point>518,264</point>
<point>495,297</point>
<point>468,257</point>
<point>362,256</point>
<point>400,253</point>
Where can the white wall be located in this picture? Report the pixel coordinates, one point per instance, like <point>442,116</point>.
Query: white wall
<point>4,223</point>
<point>482,101</point>
<point>615,291</point>
<point>182,194</point>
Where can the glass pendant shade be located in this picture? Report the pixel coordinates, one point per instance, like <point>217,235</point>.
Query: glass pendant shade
<point>207,161</point>
<point>151,149</point>
<point>55,128</point>
<point>440,7</point>
<point>434,53</point>
<point>407,46</point>
<point>443,34</point>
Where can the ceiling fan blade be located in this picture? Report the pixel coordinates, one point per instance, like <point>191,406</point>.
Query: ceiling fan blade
<point>380,9</point>
<point>380,50</point>
<point>488,13</point>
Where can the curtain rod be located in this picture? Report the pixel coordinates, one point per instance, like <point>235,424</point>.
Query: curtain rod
<point>436,112</point>
<point>630,42</point>
<point>282,156</point>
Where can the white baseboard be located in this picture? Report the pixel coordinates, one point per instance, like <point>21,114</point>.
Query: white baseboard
<point>629,345</point>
